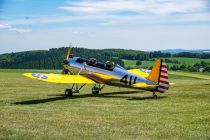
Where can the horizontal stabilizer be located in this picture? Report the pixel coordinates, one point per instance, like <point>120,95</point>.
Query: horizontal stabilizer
<point>143,85</point>
<point>171,84</point>
<point>139,72</point>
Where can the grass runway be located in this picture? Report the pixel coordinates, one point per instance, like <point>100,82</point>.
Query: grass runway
<point>31,109</point>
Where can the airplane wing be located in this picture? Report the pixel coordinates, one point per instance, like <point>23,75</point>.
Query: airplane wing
<point>139,72</point>
<point>60,78</point>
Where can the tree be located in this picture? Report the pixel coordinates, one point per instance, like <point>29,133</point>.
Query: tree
<point>138,62</point>
<point>174,67</point>
<point>206,69</point>
<point>183,67</point>
<point>204,64</point>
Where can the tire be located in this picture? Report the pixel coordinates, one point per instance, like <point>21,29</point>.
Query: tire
<point>68,92</point>
<point>95,90</point>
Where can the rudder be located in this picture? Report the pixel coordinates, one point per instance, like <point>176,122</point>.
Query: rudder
<point>163,79</point>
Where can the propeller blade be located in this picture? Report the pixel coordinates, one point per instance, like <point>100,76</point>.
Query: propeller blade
<point>67,57</point>
<point>68,53</point>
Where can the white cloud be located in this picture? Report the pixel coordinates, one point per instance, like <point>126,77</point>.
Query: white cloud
<point>4,26</point>
<point>10,28</point>
<point>20,30</point>
<point>77,32</point>
<point>141,38</point>
<point>133,24</point>
<point>105,20</point>
<point>156,7</point>
<point>116,12</point>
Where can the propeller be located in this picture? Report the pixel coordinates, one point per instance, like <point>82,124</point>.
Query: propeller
<point>65,62</point>
<point>68,53</point>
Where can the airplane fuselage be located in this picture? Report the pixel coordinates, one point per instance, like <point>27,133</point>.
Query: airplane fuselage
<point>116,76</point>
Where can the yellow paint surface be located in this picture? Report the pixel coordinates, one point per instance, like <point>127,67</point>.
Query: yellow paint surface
<point>60,78</point>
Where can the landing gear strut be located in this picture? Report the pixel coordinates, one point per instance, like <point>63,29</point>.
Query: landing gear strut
<point>74,89</point>
<point>96,89</point>
<point>154,95</point>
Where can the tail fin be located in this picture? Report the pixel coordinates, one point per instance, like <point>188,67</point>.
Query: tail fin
<point>159,74</point>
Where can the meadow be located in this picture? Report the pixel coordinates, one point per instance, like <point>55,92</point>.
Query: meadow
<point>181,60</point>
<point>31,109</point>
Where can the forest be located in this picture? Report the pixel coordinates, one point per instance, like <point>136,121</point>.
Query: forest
<point>53,58</point>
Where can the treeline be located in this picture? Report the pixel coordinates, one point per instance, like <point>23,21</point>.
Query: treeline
<point>53,58</point>
<point>140,55</point>
<point>193,55</point>
<point>31,60</point>
<point>197,67</point>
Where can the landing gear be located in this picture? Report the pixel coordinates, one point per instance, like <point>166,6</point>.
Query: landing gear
<point>96,89</point>
<point>74,89</point>
<point>68,92</point>
<point>154,95</point>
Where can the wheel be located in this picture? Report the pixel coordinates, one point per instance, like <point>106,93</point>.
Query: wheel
<point>95,90</point>
<point>154,95</point>
<point>68,92</point>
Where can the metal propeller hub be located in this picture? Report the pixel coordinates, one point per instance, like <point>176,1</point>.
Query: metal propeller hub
<point>65,62</point>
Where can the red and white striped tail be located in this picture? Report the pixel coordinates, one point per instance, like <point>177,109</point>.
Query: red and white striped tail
<point>163,79</point>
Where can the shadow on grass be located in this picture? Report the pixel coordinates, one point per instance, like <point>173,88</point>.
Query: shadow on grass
<point>79,96</point>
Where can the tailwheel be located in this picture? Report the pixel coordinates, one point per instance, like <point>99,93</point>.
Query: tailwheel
<point>154,95</point>
<point>68,92</point>
<point>95,90</point>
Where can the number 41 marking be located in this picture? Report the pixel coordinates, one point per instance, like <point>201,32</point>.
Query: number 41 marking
<point>126,81</point>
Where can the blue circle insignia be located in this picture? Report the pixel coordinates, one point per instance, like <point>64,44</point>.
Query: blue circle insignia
<point>37,75</point>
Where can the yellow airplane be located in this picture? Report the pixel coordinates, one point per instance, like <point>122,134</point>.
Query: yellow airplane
<point>101,74</point>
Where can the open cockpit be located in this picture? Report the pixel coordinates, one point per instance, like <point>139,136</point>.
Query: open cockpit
<point>93,62</point>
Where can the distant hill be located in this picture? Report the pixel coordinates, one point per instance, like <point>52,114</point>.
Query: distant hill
<point>174,51</point>
<point>53,58</point>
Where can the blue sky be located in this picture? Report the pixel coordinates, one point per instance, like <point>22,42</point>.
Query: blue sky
<point>129,24</point>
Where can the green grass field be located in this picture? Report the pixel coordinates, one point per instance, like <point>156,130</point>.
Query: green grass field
<point>188,61</point>
<point>31,109</point>
<point>129,63</point>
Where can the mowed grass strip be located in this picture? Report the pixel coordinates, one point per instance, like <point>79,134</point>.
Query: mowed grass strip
<point>194,75</point>
<point>31,109</point>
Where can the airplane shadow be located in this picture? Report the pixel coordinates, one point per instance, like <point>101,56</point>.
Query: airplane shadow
<point>77,96</point>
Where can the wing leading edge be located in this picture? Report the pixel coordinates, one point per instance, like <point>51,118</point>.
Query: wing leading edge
<point>60,78</point>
